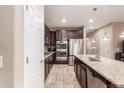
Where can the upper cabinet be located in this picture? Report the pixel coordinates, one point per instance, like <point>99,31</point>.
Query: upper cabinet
<point>108,39</point>
<point>50,37</point>
<point>75,34</point>
<point>69,34</point>
<point>58,35</point>
<point>47,35</point>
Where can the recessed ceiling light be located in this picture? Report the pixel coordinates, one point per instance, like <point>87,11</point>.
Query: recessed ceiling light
<point>63,20</point>
<point>91,20</point>
<point>92,27</point>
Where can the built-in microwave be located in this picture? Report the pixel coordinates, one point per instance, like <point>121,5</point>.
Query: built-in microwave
<point>61,45</point>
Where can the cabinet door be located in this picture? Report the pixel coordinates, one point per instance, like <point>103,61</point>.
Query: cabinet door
<point>77,69</point>
<point>78,72</point>
<point>74,66</point>
<point>54,58</point>
<point>58,35</point>
<point>50,63</point>
<point>64,34</point>
<point>83,77</point>
<point>47,35</point>
<point>75,34</point>
<point>46,68</point>
<point>53,38</point>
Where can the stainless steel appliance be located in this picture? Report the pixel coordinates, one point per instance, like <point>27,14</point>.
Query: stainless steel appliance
<point>61,51</point>
<point>94,80</point>
<point>75,47</point>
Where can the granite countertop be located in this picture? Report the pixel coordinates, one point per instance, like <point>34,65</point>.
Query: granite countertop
<point>110,69</point>
<point>46,55</point>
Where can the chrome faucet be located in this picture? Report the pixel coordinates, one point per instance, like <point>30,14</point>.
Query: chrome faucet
<point>96,53</point>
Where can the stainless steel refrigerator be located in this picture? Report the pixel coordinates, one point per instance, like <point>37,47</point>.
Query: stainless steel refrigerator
<point>75,47</point>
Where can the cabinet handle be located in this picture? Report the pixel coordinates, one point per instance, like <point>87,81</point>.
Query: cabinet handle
<point>27,60</point>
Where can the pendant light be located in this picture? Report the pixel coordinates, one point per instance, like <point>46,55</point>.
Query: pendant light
<point>93,40</point>
<point>105,36</point>
<point>94,12</point>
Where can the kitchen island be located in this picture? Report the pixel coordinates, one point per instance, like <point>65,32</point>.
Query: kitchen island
<point>109,69</point>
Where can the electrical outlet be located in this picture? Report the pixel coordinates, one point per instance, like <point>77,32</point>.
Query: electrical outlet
<point>1,61</point>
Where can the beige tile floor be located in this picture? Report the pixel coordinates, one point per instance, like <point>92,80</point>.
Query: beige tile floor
<point>61,76</point>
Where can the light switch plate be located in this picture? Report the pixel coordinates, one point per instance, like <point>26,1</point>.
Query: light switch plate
<point>1,61</point>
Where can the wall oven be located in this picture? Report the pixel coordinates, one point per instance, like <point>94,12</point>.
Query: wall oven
<point>61,45</point>
<point>61,51</point>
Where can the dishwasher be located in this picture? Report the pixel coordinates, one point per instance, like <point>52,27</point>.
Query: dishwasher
<point>94,80</point>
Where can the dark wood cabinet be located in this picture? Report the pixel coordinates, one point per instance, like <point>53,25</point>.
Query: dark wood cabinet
<point>75,66</point>
<point>48,64</point>
<point>58,35</point>
<point>50,37</point>
<point>75,34</point>
<point>64,35</point>
<point>46,68</point>
<point>83,77</point>
<point>47,36</point>
<point>53,38</point>
<point>54,58</point>
<point>80,71</point>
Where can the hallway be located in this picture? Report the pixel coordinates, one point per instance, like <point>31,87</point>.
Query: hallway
<point>62,76</point>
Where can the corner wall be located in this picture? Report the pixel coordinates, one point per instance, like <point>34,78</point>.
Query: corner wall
<point>19,46</point>
<point>6,45</point>
<point>118,28</point>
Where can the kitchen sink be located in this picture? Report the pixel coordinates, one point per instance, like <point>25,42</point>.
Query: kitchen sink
<point>94,59</point>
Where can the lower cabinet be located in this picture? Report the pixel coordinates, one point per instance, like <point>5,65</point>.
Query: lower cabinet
<point>89,80</point>
<point>54,57</point>
<point>46,69</point>
<point>83,77</point>
<point>81,74</point>
<point>48,65</point>
<point>78,72</point>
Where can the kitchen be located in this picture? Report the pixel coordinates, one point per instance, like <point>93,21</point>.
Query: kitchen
<point>84,46</point>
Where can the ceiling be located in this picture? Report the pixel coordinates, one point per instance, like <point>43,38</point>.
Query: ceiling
<point>79,15</point>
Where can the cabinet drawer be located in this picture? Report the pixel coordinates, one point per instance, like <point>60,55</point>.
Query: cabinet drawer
<point>83,77</point>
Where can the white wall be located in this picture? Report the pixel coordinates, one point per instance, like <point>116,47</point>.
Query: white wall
<point>12,45</point>
<point>18,46</point>
<point>118,28</point>
<point>105,47</point>
<point>114,30</point>
<point>6,45</point>
<point>34,47</point>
